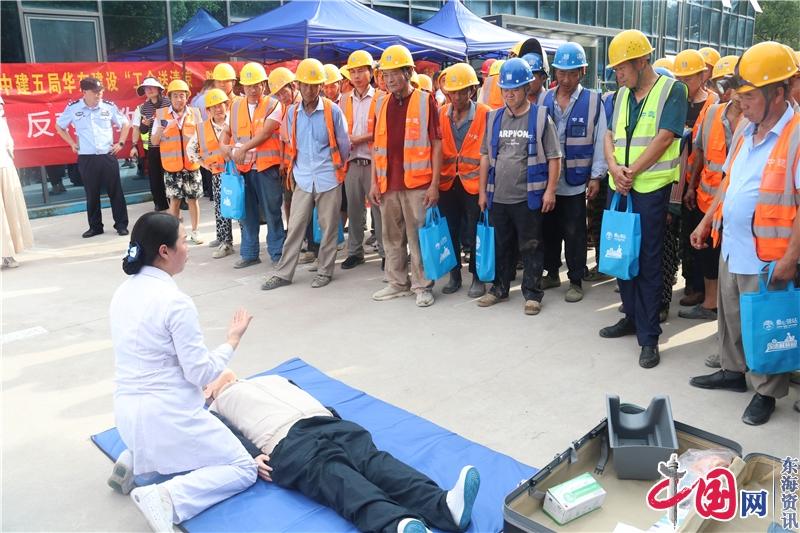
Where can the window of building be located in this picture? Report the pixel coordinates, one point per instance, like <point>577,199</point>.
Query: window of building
<point>568,11</point>
<point>615,9</point>
<point>671,23</point>
<point>147,19</point>
<point>11,49</point>
<point>670,46</point>
<point>480,7</point>
<point>548,9</point>
<point>602,12</point>
<point>248,9</point>
<point>586,9</point>
<point>433,4</point>
<point>418,16</point>
<point>748,32</point>
<point>528,9</point>
<point>505,7</point>
<point>647,17</point>
<point>694,23</point>
<point>399,13</point>
<point>627,19</point>
<point>62,39</point>
<point>714,30</point>
<point>61,4</point>
<point>740,40</point>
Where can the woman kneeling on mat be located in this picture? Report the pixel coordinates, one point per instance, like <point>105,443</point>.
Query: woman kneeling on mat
<point>162,365</point>
<point>303,445</point>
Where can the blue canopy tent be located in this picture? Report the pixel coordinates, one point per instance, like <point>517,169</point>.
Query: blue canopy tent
<point>328,30</point>
<point>200,24</point>
<point>482,38</point>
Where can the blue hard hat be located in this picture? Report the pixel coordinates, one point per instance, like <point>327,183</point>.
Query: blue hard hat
<point>535,61</point>
<point>570,56</point>
<point>515,73</point>
<point>663,71</point>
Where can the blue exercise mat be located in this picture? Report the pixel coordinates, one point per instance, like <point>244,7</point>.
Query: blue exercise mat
<point>437,452</point>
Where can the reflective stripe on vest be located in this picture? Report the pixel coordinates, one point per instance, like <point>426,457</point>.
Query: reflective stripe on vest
<point>537,161</point>
<point>715,151</point>
<point>336,156</point>
<point>243,129</point>
<point>579,134</point>
<point>711,99</point>
<point>377,100</point>
<point>417,169</point>
<point>778,198</point>
<point>174,141</point>
<point>491,94</point>
<point>466,162</point>
<point>209,148</point>
<point>664,171</point>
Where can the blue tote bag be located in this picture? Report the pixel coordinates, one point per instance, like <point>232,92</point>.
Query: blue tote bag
<point>231,193</point>
<point>620,241</point>
<point>435,245</point>
<point>318,229</point>
<point>770,327</point>
<point>484,248</point>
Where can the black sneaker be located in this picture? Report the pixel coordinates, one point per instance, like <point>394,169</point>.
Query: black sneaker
<point>352,261</point>
<point>620,329</point>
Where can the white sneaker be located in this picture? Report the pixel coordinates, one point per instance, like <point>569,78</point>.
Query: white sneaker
<point>389,292</point>
<point>222,251</point>
<point>121,478</point>
<point>314,266</point>
<point>411,525</point>
<point>194,238</point>
<point>461,497</point>
<point>156,506</point>
<point>10,262</point>
<point>425,298</point>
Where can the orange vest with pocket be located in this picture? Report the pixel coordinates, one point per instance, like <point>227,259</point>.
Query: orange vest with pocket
<point>243,129</point>
<point>174,140</point>
<point>464,163</point>
<point>210,148</point>
<point>336,156</point>
<point>715,151</point>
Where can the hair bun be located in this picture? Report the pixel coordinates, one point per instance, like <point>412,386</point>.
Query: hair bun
<point>132,262</point>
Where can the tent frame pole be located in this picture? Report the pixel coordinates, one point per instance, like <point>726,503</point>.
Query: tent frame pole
<point>169,32</point>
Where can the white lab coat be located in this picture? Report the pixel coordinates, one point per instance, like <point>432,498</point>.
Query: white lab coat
<point>162,365</point>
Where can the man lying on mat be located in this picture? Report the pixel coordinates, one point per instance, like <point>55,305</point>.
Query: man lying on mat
<point>300,444</point>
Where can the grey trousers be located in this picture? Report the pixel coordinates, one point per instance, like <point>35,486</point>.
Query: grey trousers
<point>731,351</point>
<point>403,213</point>
<point>357,184</point>
<point>328,204</point>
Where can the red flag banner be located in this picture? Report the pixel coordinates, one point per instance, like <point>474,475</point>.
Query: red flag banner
<point>35,94</point>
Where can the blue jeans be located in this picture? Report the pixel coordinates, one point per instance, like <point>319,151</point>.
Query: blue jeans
<point>262,192</point>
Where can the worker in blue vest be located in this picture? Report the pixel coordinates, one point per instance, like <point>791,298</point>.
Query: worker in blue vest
<point>581,124</point>
<point>643,154</point>
<point>538,83</point>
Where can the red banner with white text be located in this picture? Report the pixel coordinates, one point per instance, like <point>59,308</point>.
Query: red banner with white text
<point>35,94</point>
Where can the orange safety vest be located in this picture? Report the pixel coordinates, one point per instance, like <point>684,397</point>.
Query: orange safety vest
<point>715,151</point>
<point>491,94</point>
<point>174,140</point>
<point>710,100</point>
<point>417,166</point>
<point>210,148</point>
<point>336,156</point>
<point>243,129</point>
<point>778,198</point>
<point>377,100</point>
<point>464,163</point>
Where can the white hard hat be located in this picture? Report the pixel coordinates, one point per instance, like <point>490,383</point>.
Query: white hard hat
<point>148,82</point>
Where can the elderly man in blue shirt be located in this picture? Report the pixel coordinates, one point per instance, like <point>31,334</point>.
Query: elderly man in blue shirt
<point>93,119</point>
<point>318,146</point>
<point>581,124</point>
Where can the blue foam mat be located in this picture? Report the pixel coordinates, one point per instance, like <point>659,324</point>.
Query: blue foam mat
<point>437,452</point>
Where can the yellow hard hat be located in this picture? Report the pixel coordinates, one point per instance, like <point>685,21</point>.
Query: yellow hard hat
<point>425,83</point>
<point>724,67</point>
<point>360,58</point>
<point>345,72</point>
<point>664,63</point>
<point>177,85</point>
<point>332,74</point>
<point>310,71</point>
<point>689,62</point>
<point>223,72</point>
<point>279,78</point>
<point>414,80</point>
<point>252,73</point>
<point>214,97</point>
<point>396,56</point>
<point>795,55</point>
<point>515,49</point>
<point>627,45</point>
<point>459,76</point>
<point>763,64</point>
<point>710,55</point>
<point>494,70</point>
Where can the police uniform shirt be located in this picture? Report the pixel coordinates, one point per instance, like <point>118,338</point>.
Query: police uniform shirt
<point>93,125</point>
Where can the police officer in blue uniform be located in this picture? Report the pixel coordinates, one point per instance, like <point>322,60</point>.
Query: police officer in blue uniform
<point>94,119</point>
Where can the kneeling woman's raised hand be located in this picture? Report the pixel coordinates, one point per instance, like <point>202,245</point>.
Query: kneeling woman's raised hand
<point>241,319</point>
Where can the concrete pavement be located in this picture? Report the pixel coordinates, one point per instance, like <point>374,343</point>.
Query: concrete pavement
<point>525,386</point>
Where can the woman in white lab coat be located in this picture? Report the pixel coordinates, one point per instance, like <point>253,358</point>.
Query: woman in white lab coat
<point>162,365</point>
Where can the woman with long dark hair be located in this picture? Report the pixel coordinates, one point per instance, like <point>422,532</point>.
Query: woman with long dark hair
<point>162,365</point>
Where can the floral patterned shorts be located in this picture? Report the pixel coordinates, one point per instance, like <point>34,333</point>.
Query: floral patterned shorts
<point>183,184</point>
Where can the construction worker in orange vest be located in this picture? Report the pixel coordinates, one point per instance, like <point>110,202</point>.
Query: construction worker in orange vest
<point>463,124</point>
<point>711,143</point>
<point>332,90</point>
<point>690,69</point>
<point>224,77</point>
<point>252,141</point>
<point>710,57</point>
<point>213,159</point>
<point>490,91</point>
<point>407,160</point>
<point>358,105</point>
<point>756,210</point>
<point>175,127</point>
<point>318,148</point>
